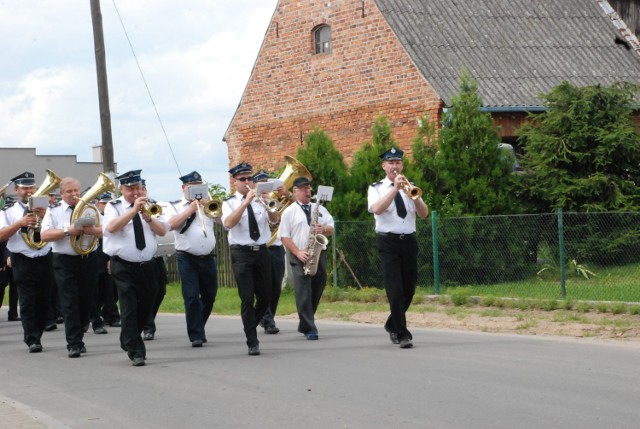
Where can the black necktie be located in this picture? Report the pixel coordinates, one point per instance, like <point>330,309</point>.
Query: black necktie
<point>72,209</point>
<point>400,207</point>
<point>254,231</point>
<point>307,211</point>
<point>138,232</point>
<point>187,224</point>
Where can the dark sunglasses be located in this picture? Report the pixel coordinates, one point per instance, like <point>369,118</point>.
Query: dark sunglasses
<point>244,179</point>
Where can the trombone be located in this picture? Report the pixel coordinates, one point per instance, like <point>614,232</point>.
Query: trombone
<point>272,205</point>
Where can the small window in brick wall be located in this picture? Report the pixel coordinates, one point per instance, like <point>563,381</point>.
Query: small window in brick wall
<point>322,37</point>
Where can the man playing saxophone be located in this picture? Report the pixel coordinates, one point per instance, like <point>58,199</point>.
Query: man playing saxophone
<point>31,264</point>
<point>395,213</point>
<point>300,224</point>
<point>76,275</point>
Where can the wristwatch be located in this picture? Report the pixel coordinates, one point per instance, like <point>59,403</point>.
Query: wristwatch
<point>66,231</point>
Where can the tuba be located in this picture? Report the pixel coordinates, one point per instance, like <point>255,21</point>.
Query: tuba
<point>292,170</point>
<point>31,236</point>
<point>103,184</point>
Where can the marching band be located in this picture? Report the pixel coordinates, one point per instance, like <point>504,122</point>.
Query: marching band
<point>99,249</point>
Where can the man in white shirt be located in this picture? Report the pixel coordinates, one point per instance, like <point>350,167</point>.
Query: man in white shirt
<point>76,275</point>
<point>248,224</point>
<point>31,265</point>
<point>395,213</point>
<point>130,240</point>
<point>295,231</point>
<point>195,242</point>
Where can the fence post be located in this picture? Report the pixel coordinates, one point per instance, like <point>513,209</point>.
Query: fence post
<point>434,240</point>
<point>333,255</point>
<point>563,289</point>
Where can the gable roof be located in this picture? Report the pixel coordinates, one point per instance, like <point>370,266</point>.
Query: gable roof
<point>515,49</point>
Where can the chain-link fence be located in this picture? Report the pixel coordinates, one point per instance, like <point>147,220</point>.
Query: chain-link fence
<point>581,256</point>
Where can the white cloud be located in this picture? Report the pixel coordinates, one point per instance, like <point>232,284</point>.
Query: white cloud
<point>196,57</point>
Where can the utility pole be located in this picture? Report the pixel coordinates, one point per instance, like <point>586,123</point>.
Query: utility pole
<point>103,90</point>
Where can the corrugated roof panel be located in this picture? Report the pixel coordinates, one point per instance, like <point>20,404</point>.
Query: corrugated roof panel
<point>515,48</point>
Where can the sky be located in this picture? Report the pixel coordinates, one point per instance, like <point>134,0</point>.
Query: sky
<point>196,57</point>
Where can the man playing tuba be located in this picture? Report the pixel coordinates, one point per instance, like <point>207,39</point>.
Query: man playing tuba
<point>31,266</point>
<point>76,274</point>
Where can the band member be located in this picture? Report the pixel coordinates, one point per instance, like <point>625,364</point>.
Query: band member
<point>395,215</point>
<point>31,264</point>
<point>130,240</point>
<point>161,281</point>
<point>195,242</point>
<point>107,295</point>
<point>297,227</point>
<point>248,224</point>
<point>75,274</point>
<point>6,279</point>
<point>276,250</point>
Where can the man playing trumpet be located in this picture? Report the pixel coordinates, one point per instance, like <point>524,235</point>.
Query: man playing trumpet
<point>248,224</point>
<point>130,240</point>
<point>395,214</point>
<point>195,242</point>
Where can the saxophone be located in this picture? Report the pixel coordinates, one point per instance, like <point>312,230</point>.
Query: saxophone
<point>316,244</point>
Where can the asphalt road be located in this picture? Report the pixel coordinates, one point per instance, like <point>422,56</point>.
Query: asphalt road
<point>353,377</point>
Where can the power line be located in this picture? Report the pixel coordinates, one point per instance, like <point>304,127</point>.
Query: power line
<point>147,86</point>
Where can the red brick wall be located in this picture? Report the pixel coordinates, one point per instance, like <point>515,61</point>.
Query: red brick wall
<point>291,89</point>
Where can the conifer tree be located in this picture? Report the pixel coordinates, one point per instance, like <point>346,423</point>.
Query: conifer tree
<point>473,172</point>
<point>583,153</point>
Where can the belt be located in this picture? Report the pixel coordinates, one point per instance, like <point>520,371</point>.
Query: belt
<point>124,261</point>
<point>255,248</point>
<point>191,255</point>
<point>396,236</point>
<point>74,256</point>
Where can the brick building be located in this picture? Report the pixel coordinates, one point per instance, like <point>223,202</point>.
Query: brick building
<point>341,63</point>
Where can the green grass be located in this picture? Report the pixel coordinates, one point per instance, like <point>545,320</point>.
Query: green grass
<point>609,284</point>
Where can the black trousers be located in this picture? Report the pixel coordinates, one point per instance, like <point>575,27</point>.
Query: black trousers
<point>6,279</point>
<point>399,259</point>
<point>106,299</point>
<point>308,291</point>
<point>76,277</point>
<point>199,277</point>
<point>33,276</point>
<point>252,270</point>
<point>277,274</point>
<point>136,284</point>
<point>161,291</point>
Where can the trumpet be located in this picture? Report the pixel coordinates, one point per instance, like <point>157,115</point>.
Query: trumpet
<point>151,208</point>
<point>412,191</point>
<point>211,208</point>
<point>272,205</point>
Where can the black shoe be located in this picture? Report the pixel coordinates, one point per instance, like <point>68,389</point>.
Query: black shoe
<point>60,320</point>
<point>86,327</point>
<point>100,330</point>
<point>406,343</point>
<point>14,319</point>
<point>35,348</point>
<point>51,327</point>
<point>196,343</point>
<point>254,351</point>
<point>74,352</point>
<point>137,361</point>
<point>115,324</point>
<point>271,330</point>
<point>148,336</point>
<point>83,350</point>
<point>394,338</point>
